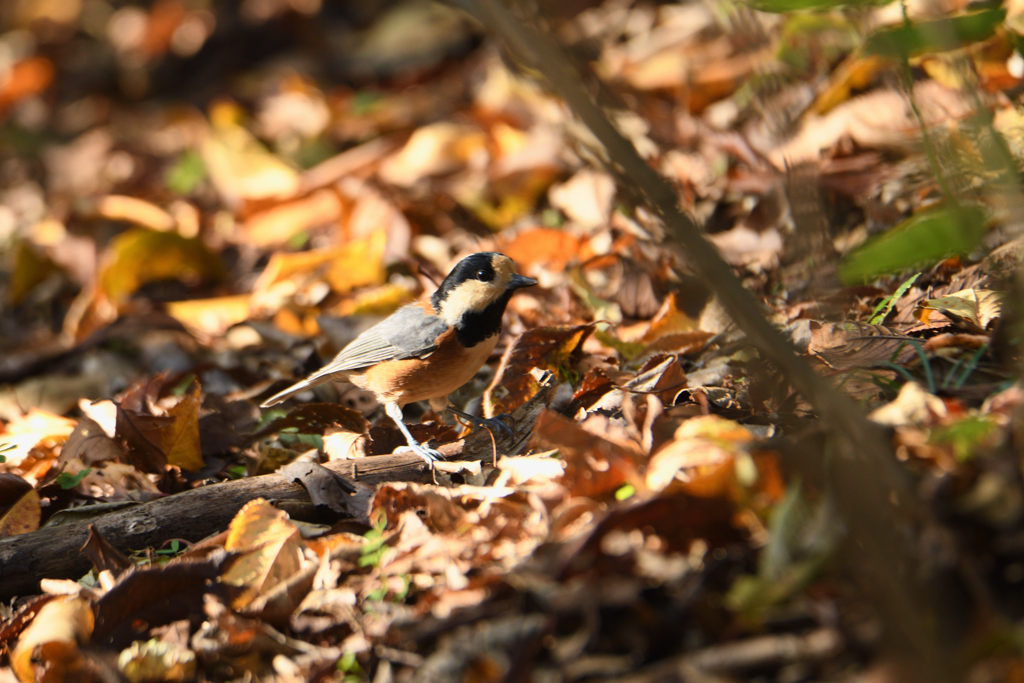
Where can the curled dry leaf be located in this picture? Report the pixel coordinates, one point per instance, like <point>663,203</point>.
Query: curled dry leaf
<point>433,150</point>
<point>546,348</point>
<point>269,549</point>
<point>48,651</point>
<point>699,449</point>
<point>913,406</point>
<point>978,307</point>
<point>90,444</point>
<point>594,467</point>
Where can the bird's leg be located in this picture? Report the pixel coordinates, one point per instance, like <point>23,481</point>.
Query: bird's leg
<point>494,424</point>
<point>429,455</point>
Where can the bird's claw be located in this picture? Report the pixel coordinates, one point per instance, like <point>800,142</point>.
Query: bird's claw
<point>429,455</point>
<point>491,423</point>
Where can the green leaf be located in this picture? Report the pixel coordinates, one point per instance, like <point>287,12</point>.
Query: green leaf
<point>186,174</point>
<point>938,35</point>
<point>966,437</point>
<point>69,481</point>
<point>878,315</point>
<point>780,6</point>
<point>924,238</point>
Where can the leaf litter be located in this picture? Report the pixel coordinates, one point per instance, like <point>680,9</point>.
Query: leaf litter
<point>167,266</point>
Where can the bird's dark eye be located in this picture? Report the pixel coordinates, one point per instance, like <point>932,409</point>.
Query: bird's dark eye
<point>483,274</point>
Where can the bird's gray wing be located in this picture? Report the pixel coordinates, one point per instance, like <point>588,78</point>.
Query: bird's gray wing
<point>410,332</point>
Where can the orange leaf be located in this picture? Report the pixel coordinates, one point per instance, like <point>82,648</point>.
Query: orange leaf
<point>22,517</point>
<point>48,650</point>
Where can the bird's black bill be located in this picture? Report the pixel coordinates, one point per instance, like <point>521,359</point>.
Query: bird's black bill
<point>520,281</point>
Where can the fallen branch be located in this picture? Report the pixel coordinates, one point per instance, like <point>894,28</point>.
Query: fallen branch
<point>55,552</point>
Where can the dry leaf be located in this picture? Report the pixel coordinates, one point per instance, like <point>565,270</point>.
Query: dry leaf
<point>48,650</point>
<point>269,546</point>
<point>586,198</point>
<point>980,307</point>
<point>434,150</point>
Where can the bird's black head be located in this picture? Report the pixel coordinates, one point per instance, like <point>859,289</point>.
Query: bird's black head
<point>474,295</point>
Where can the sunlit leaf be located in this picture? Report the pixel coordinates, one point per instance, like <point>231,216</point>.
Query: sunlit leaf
<point>48,649</point>
<point>938,35</point>
<point>924,238</point>
<point>780,6</point>
<point>22,517</point>
<point>185,175</point>
<point>139,256</point>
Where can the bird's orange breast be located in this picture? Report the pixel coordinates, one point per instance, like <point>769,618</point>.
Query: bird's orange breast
<point>419,379</point>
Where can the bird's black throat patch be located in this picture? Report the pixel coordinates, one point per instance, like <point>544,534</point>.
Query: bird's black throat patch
<point>475,326</point>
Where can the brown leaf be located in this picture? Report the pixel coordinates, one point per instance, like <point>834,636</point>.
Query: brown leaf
<point>858,345</point>
<point>700,446</point>
<point>268,546</point>
<point>594,467</point>
<point>90,444</point>
<point>661,376</point>
<point>155,596</point>
<point>315,418</point>
<point>325,487</point>
<point>23,516</point>
<point>105,557</point>
<point>678,519</point>
<point>621,280</point>
<point>24,79</point>
<point>138,436</point>
<point>549,247</point>
<point>546,348</point>
<point>180,440</point>
<point>48,650</point>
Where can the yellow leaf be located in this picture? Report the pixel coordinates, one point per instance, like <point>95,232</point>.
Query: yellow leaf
<point>241,168</point>
<point>48,650</point>
<point>139,256</point>
<point>212,316</point>
<point>22,517</point>
<point>276,226</point>
<point>269,546</point>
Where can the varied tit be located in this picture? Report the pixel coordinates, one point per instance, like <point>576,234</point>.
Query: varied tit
<point>426,350</point>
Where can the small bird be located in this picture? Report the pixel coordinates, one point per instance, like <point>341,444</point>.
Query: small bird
<point>426,350</point>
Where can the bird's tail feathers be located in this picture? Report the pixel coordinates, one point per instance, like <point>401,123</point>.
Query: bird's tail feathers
<point>291,391</point>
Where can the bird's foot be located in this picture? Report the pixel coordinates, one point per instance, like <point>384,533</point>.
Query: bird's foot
<point>429,455</point>
<point>494,424</point>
